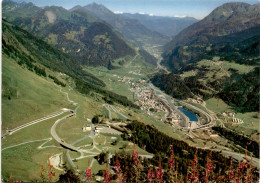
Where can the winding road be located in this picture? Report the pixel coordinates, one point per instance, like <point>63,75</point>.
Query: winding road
<point>239,157</point>
<point>167,99</point>
<point>10,132</point>
<point>107,106</point>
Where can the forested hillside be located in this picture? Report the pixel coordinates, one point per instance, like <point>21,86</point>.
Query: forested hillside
<point>241,91</point>
<point>234,24</point>
<point>216,57</point>
<point>79,34</point>
<point>134,31</point>
<point>30,51</point>
<point>34,54</point>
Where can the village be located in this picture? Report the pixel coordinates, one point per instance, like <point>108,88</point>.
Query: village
<point>156,104</point>
<point>150,103</point>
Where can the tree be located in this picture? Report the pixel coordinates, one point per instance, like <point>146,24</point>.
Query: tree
<point>69,176</point>
<point>102,157</point>
<point>95,120</point>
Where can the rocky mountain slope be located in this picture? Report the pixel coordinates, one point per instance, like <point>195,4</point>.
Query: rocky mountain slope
<point>230,23</point>
<point>217,57</point>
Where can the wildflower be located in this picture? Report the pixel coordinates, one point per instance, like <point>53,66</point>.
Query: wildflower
<point>159,172</point>
<point>172,162</point>
<point>209,168</point>
<point>106,174</point>
<point>172,168</point>
<point>11,178</point>
<point>119,174</point>
<point>194,173</point>
<point>51,169</point>
<point>150,174</point>
<point>230,173</point>
<point>136,163</point>
<point>88,173</point>
<point>135,157</point>
<point>42,173</point>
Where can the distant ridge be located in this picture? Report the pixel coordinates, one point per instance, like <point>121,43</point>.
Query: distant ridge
<point>168,26</point>
<point>131,29</point>
<point>229,23</point>
<point>78,33</point>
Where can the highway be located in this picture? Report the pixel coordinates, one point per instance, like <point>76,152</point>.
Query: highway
<point>210,119</point>
<point>57,138</point>
<point>118,112</point>
<point>107,106</point>
<point>167,99</point>
<point>130,62</point>
<point>47,140</point>
<point>109,112</point>
<point>239,157</point>
<point>9,132</point>
<point>211,122</point>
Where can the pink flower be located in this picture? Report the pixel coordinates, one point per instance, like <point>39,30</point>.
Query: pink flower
<point>159,172</point>
<point>194,172</point>
<point>135,158</point>
<point>106,176</point>
<point>150,175</point>
<point>88,174</point>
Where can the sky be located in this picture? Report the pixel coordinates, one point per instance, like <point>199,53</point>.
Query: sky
<point>192,8</point>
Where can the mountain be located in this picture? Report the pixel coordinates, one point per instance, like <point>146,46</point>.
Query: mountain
<point>230,23</point>
<point>78,33</point>
<point>237,85</point>
<point>31,65</point>
<point>217,57</point>
<point>30,69</point>
<point>130,28</point>
<point>30,52</point>
<point>168,26</point>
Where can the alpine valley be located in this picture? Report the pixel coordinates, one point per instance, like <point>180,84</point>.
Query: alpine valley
<point>90,95</point>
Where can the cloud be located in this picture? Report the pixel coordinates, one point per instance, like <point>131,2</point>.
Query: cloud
<point>118,12</point>
<point>180,16</point>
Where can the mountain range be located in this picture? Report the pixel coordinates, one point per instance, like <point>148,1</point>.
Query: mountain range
<point>212,57</point>
<point>77,33</point>
<point>62,68</point>
<point>231,23</point>
<point>93,34</point>
<point>134,31</point>
<point>167,26</point>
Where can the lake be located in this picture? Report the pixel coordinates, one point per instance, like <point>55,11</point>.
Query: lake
<point>189,114</point>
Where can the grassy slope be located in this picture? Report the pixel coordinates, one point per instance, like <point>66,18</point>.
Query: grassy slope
<point>250,124</point>
<point>217,70</point>
<point>220,70</point>
<point>34,96</point>
<point>27,155</point>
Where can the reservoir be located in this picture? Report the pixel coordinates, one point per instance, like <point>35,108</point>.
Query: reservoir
<point>189,114</point>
